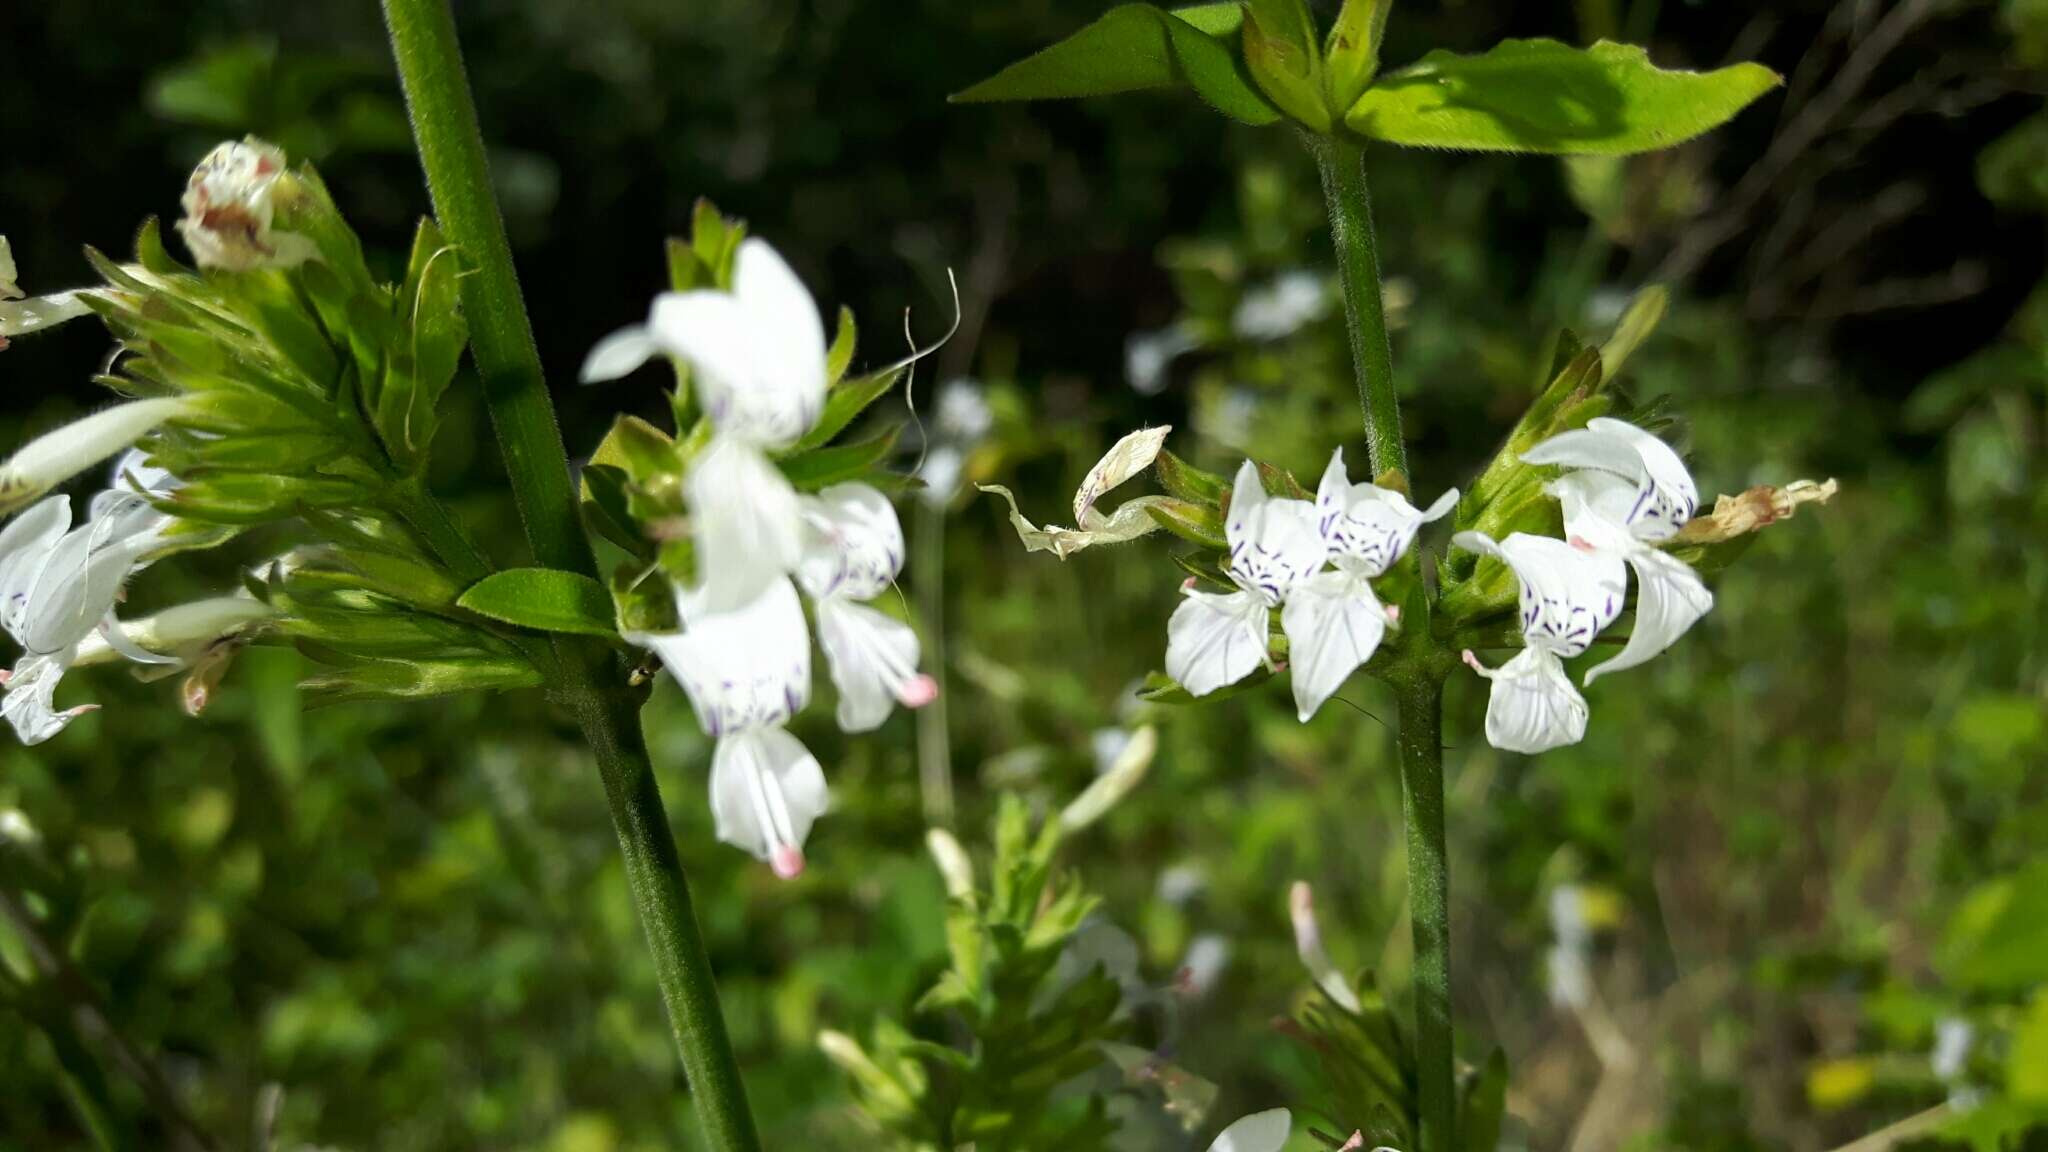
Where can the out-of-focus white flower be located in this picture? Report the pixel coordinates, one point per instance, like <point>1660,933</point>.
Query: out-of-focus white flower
<point>1308,944</point>
<point>1568,595</point>
<point>1106,744</point>
<point>964,415</point>
<point>757,358</point>
<point>1113,782</point>
<point>1181,883</point>
<point>1627,491</point>
<point>16,829</point>
<point>20,314</point>
<point>1207,957</point>
<point>1148,354</point>
<point>1570,967</point>
<point>58,455</point>
<point>1281,306</point>
<point>1954,1037</point>
<point>855,551</point>
<point>229,205</point>
<point>1258,1132</point>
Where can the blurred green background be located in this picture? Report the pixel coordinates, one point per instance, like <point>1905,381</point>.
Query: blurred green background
<point>1815,830</point>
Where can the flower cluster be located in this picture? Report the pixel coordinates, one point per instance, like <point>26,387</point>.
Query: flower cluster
<point>1315,561</point>
<point>1623,493</point>
<point>758,360</point>
<point>60,581</point>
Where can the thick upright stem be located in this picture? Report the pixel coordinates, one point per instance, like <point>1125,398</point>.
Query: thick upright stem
<point>501,339</point>
<point>662,898</point>
<point>1342,163</point>
<point>1422,792</point>
<point>501,342</point>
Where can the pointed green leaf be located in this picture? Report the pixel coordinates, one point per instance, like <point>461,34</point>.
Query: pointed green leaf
<point>1137,46</point>
<point>1351,55</point>
<point>1188,482</point>
<point>1635,326</point>
<point>843,404</point>
<point>1189,521</point>
<point>1285,61</point>
<point>842,462</point>
<point>1544,96</point>
<point>544,599</point>
<point>840,355</point>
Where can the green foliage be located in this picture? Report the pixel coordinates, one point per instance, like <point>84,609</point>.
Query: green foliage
<point>1008,1023</point>
<point>544,599</point>
<point>1544,96</point>
<point>1137,46</point>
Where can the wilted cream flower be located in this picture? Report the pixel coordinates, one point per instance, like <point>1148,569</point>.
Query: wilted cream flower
<point>229,207</point>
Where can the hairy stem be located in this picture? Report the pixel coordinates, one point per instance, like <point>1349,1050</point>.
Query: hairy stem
<point>584,677</point>
<point>1341,161</point>
<point>501,339</point>
<point>1422,794</point>
<point>662,898</point>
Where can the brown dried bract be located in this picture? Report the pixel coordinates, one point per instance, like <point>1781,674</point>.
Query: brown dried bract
<point>1746,512</point>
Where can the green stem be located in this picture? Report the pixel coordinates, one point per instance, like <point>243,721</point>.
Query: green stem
<point>500,338</point>
<point>1341,161</point>
<point>662,898</point>
<point>1422,793</point>
<point>584,677</point>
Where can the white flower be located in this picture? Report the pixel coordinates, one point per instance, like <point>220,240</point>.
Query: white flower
<point>1568,596</point>
<point>855,552</point>
<point>757,356</point>
<point>1208,956</point>
<point>964,414</point>
<point>1628,490</point>
<point>1570,970</point>
<point>229,206</point>
<point>58,584</point>
<point>1334,622</point>
<point>1258,1132</point>
<point>19,315</point>
<point>1216,639</point>
<point>747,671</point>
<point>1953,1039</point>
<point>1281,307</point>
<point>1308,944</point>
<point>58,455</point>
<point>1147,355</point>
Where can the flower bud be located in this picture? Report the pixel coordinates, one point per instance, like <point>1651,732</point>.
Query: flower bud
<point>1112,786</point>
<point>953,863</point>
<point>57,456</point>
<point>187,632</point>
<point>230,204</point>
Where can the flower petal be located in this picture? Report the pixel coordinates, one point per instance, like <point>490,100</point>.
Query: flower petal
<point>1275,543</point>
<point>1533,707</point>
<point>855,543</point>
<point>57,456</point>
<point>30,704</point>
<point>1258,1132</point>
<point>19,317</point>
<point>873,661</point>
<point>766,791</point>
<point>1568,594</point>
<point>1669,598</point>
<point>1334,623</point>
<point>742,669</point>
<point>752,385</point>
<point>1215,639</point>
<point>619,354</point>
<point>784,315</point>
<point>78,585</point>
<point>1369,527</point>
<point>1665,495</point>
<point>749,523</point>
<point>25,546</point>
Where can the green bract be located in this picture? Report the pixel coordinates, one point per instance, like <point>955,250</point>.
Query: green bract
<point>1260,61</point>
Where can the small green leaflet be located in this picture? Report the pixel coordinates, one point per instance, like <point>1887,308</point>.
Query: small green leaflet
<point>1545,96</point>
<point>841,462</point>
<point>544,599</point>
<point>1137,46</point>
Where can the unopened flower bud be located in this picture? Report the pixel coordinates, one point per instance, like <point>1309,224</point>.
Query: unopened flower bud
<point>230,205</point>
<point>1308,944</point>
<point>953,863</point>
<point>57,456</point>
<point>1113,785</point>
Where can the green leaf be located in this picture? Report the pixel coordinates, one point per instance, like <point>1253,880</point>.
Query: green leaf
<point>827,466</point>
<point>1281,51</point>
<point>1159,688</point>
<point>846,401</point>
<point>840,354</point>
<point>606,510</point>
<point>1134,47</point>
<point>1189,521</point>
<point>416,679</point>
<point>1188,482</point>
<point>1485,1099</point>
<point>1998,939</point>
<point>1635,326</point>
<point>641,450</point>
<point>1351,55</point>
<point>1544,96</point>
<point>544,599</point>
